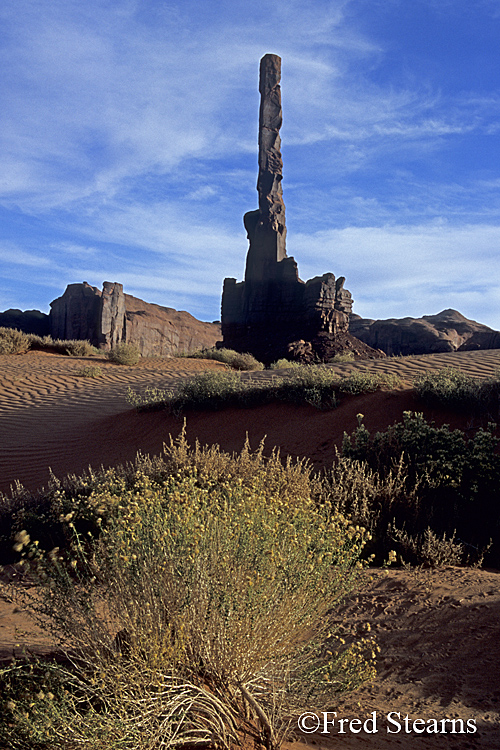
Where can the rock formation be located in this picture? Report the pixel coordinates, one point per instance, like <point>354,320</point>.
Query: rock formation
<point>110,316</point>
<point>273,313</point>
<point>448,331</point>
<point>29,321</point>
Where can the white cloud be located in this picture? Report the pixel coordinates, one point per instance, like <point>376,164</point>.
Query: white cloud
<point>12,254</point>
<point>395,271</point>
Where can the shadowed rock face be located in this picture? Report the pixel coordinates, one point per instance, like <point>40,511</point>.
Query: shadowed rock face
<point>109,317</point>
<point>273,307</point>
<point>29,321</point>
<point>448,331</point>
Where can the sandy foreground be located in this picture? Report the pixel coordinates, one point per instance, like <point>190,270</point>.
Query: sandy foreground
<point>439,631</point>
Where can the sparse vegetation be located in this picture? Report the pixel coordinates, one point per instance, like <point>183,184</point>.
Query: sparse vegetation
<point>13,341</point>
<point>200,608</point>
<point>231,358</point>
<point>124,354</point>
<point>306,384</point>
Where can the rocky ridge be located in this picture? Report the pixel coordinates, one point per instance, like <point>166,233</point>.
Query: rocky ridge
<point>448,331</point>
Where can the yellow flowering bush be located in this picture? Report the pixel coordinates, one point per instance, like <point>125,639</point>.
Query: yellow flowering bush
<point>205,603</point>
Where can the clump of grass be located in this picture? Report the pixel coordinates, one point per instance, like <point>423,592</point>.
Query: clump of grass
<point>90,372</point>
<point>206,601</point>
<point>457,390</point>
<point>13,341</point>
<point>230,357</point>
<point>124,354</point>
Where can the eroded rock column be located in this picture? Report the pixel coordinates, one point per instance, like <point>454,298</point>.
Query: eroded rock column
<point>266,227</point>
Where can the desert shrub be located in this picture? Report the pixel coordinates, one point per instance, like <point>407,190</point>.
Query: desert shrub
<point>124,354</point>
<point>285,364</point>
<point>208,390</point>
<point>40,342</point>
<point>367,382</point>
<point>230,357</point>
<point>305,384</point>
<point>206,600</point>
<point>428,549</point>
<point>311,384</point>
<point>343,357</point>
<point>457,390</point>
<point>457,478</point>
<point>91,371</point>
<point>77,348</point>
<point>13,341</point>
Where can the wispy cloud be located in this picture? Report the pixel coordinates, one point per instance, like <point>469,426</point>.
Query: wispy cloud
<point>129,137</point>
<point>410,270</point>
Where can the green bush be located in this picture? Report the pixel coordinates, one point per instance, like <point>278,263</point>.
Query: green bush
<point>13,341</point>
<point>230,357</point>
<point>457,390</point>
<point>124,354</point>
<point>206,600</point>
<point>311,384</point>
<point>455,480</point>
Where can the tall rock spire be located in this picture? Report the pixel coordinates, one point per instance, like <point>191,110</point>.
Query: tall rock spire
<point>266,226</point>
<point>273,311</point>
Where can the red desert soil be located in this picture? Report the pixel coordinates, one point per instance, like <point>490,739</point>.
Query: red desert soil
<point>439,631</point>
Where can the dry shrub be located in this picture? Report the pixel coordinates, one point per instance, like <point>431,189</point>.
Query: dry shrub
<point>13,341</point>
<point>71,347</point>
<point>428,548</point>
<point>368,382</point>
<point>124,354</point>
<point>284,364</point>
<point>91,372</point>
<point>230,357</point>
<point>204,604</point>
<point>76,347</point>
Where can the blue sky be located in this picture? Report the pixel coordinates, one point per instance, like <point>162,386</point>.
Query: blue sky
<point>128,148</point>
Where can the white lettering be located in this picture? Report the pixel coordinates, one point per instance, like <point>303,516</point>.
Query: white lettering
<point>393,722</point>
<point>373,722</point>
<point>326,722</point>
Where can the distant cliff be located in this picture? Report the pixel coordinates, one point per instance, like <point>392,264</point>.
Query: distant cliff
<point>448,331</point>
